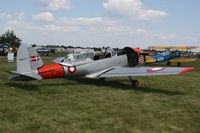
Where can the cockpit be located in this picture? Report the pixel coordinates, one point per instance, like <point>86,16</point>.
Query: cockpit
<point>165,53</point>
<point>75,57</point>
<point>86,57</point>
<point>105,53</point>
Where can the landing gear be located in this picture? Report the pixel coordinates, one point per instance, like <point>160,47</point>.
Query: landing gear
<point>168,63</point>
<point>179,64</point>
<point>134,83</point>
<point>102,79</point>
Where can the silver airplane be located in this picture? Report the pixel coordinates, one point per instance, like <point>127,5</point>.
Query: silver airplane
<point>31,67</point>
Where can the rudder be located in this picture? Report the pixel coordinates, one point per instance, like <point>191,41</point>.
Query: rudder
<point>28,59</point>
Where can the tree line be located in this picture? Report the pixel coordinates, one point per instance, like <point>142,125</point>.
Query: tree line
<point>10,39</point>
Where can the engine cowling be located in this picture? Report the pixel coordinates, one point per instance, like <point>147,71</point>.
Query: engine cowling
<point>133,56</point>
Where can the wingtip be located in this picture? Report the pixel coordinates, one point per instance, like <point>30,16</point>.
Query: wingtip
<point>186,70</point>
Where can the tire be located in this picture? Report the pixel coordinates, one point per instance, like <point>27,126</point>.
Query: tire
<point>102,79</point>
<point>135,83</point>
<point>168,63</point>
<point>179,64</point>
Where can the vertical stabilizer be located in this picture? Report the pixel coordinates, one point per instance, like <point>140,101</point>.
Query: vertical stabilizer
<point>28,59</point>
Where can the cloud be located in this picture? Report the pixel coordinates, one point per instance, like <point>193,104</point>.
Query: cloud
<point>56,28</point>
<point>91,30</point>
<point>46,16</point>
<point>133,9</point>
<point>87,21</point>
<point>94,24</point>
<point>18,25</point>
<point>116,29</point>
<point>165,37</point>
<point>140,31</point>
<point>55,4</point>
<point>5,16</point>
<point>28,26</point>
<point>65,24</point>
<point>192,39</point>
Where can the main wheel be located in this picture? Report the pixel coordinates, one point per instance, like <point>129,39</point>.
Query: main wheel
<point>102,79</point>
<point>168,63</point>
<point>135,83</point>
<point>179,64</point>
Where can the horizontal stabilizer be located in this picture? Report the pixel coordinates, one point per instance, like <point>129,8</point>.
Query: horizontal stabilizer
<point>25,76</point>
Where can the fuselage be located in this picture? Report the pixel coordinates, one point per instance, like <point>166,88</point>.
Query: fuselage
<point>62,70</point>
<point>164,56</point>
<point>31,66</point>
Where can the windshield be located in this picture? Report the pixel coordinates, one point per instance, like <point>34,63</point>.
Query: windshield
<point>78,57</point>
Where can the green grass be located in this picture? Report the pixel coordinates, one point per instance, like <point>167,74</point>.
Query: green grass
<point>161,104</point>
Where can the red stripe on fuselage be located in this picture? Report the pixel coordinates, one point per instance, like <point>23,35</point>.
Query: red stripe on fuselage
<point>51,71</point>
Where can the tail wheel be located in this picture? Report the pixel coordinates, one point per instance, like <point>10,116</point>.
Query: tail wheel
<point>135,83</point>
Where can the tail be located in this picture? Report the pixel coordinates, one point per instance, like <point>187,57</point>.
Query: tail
<point>28,61</point>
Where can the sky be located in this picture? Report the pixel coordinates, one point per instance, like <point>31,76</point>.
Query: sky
<point>98,23</point>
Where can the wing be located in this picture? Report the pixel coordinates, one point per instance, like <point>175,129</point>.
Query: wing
<point>150,59</point>
<point>140,71</point>
<point>183,60</point>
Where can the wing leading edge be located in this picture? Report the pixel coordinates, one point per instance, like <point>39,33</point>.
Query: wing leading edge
<point>141,71</point>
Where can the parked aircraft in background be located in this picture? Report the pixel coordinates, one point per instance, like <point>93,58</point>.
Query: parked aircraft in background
<point>180,48</point>
<point>169,57</point>
<point>163,56</point>
<point>31,67</point>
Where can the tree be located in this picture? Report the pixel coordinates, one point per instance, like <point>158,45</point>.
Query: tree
<point>34,45</point>
<point>10,39</point>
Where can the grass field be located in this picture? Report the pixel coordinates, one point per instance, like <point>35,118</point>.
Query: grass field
<point>161,104</point>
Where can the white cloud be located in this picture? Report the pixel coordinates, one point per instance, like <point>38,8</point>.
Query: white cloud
<point>90,30</point>
<point>192,39</point>
<point>55,4</point>
<point>141,31</point>
<point>87,21</point>
<point>56,28</point>
<point>5,16</point>
<point>116,29</point>
<point>133,9</point>
<point>18,25</point>
<point>164,37</point>
<point>66,24</point>
<point>46,16</point>
<point>20,15</point>
<point>28,26</point>
<point>94,24</point>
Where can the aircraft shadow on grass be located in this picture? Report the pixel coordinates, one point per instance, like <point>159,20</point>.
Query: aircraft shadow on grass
<point>21,85</point>
<point>120,85</point>
<point>85,81</point>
